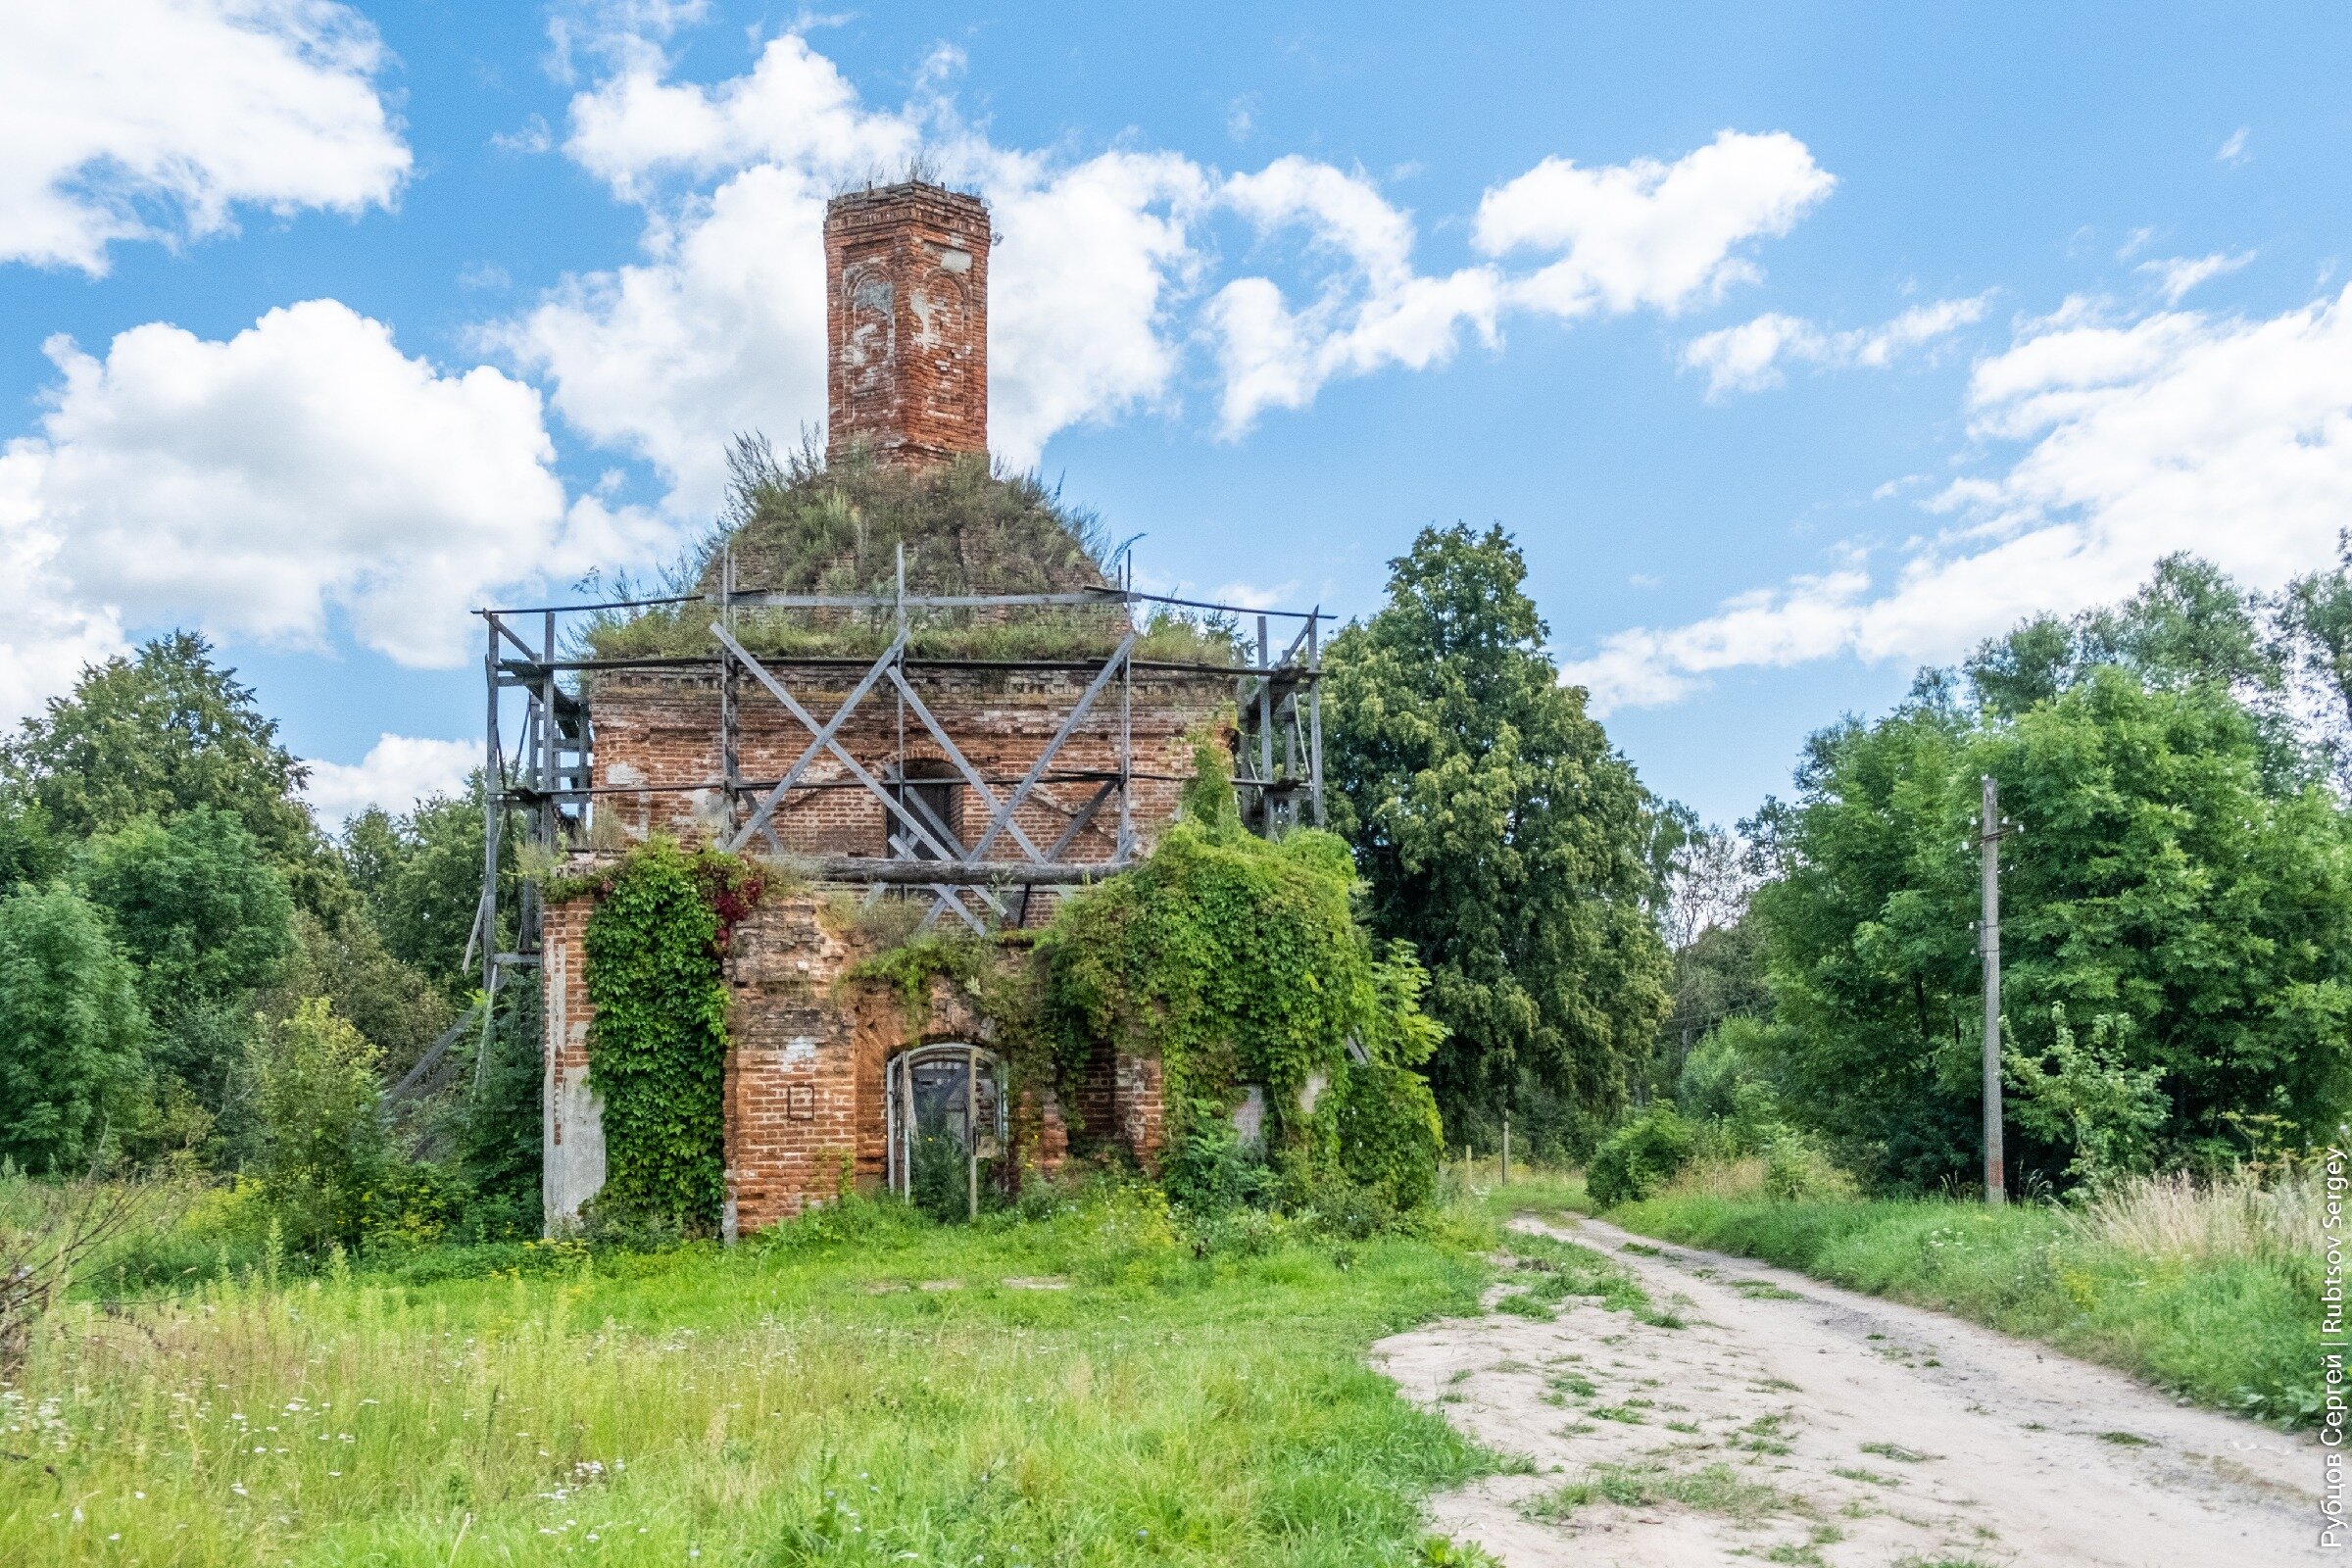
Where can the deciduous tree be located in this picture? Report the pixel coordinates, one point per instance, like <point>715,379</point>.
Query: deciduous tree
<point>1497,830</point>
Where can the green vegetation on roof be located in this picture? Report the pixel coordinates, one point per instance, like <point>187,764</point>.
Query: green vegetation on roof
<point>804,527</point>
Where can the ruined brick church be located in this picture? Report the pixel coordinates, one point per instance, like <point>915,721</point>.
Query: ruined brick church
<point>975,784</point>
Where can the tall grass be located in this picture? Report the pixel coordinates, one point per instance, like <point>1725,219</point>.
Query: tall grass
<point>2207,1288</point>
<point>862,1388</point>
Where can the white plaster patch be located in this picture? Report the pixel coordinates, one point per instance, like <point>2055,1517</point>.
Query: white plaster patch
<point>1250,1116</point>
<point>800,1050</point>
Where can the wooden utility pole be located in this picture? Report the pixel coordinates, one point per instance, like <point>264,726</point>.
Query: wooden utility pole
<point>1506,1148</point>
<point>1988,942</point>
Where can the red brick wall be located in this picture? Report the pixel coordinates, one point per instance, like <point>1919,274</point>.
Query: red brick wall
<point>804,1089</point>
<point>657,737</point>
<point>907,322</point>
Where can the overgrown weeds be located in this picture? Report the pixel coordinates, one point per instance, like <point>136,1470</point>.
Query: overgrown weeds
<point>1080,1385</point>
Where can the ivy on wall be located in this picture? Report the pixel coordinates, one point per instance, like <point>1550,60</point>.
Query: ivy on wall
<point>1239,962</point>
<point>1231,959</point>
<point>657,1045</point>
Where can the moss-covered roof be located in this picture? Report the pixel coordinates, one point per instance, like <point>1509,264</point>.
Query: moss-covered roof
<point>805,527</point>
<point>802,526</point>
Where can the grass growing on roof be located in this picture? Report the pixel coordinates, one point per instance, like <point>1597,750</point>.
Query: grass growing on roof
<point>802,526</point>
<point>861,1388</point>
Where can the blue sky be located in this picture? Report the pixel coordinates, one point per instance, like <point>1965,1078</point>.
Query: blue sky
<point>1797,346</point>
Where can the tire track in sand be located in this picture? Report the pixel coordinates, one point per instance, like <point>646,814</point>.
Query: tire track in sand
<point>1807,1424</point>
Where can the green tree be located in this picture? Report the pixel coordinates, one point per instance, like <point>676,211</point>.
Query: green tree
<point>161,734</point>
<point>72,1031</point>
<point>30,852</point>
<point>206,920</point>
<point>400,1009</point>
<point>2312,640</point>
<point>1497,831</point>
<point>2084,1095</point>
<point>419,876</point>
<point>2166,874</point>
<point>324,1153</point>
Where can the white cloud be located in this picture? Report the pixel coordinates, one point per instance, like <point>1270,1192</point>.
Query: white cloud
<point>2178,431</point>
<point>1747,358</point>
<point>793,107</point>
<point>2180,274</point>
<point>719,327</point>
<point>114,112</point>
<point>722,331</point>
<point>1080,290</point>
<point>49,634</point>
<point>1644,234</point>
<point>398,771</point>
<point>2234,151</point>
<point>722,328</point>
<point>257,485</point>
<point>1374,310</point>
<point>1664,235</point>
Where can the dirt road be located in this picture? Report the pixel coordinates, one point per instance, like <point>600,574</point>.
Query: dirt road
<point>1789,1421</point>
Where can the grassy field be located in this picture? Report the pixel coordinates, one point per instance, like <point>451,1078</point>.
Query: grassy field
<point>1087,1387</point>
<point>2212,1292</point>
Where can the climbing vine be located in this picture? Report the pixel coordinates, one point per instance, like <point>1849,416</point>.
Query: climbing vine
<point>658,1046</point>
<point>1235,961</point>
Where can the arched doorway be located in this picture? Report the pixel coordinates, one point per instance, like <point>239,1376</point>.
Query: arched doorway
<point>946,1122</point>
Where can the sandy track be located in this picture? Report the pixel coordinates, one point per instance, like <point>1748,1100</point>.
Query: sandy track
<point>1891,1435</point>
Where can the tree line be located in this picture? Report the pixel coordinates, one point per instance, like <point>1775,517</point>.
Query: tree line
<point>194,973</point>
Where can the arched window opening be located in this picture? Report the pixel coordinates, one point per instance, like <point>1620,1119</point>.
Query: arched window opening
<point>946,1124</point>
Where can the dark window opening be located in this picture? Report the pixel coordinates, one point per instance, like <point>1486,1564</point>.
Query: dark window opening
<point>937,804</point>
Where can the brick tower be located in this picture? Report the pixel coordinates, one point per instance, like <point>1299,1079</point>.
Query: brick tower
<point>906,323</point>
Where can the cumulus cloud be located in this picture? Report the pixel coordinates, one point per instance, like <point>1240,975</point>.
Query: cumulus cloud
<point>1372,310</point>
<point>398,771</point>
<point>2178,431</point>
<point>1747,358</point>
<point>116,112</point>
<point>1651,234</point>
<point>258,485</point>
<point>1644,234</point>
<point>49,633</point>
<point>720,325</point>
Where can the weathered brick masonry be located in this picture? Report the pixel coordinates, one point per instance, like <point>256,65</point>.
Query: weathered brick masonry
<point>907,322</point>
<point>655,733</point>
<point>808,1070</point>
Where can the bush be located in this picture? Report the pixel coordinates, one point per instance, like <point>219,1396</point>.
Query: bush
<point>1209,1172</point>
<point>1638,1159</point>
<point>72,1031</point>
<point>326,1158</point>
<point>1799,1170</point>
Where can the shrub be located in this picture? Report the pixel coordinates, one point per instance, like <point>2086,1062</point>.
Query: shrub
<point>1209,1172</point>
<point>658,1047</point>
<point>324,1155</point>
<point>72,1031</point>
<point>1799,1170</point>
<point>1390,1135</point>
<point>1638,1159</point>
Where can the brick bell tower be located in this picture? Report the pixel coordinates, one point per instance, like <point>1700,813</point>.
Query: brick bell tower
<point>906,323</point>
